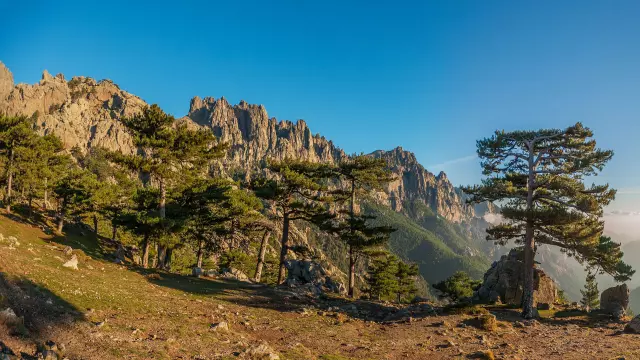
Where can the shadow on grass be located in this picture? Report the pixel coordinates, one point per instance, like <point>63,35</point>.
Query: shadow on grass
<point>40,314</point>
<point>34,217</point>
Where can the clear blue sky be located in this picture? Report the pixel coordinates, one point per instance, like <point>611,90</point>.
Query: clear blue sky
<point>432,77</point>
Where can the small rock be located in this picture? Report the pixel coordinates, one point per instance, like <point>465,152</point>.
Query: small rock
<point>72,263</point>
<point>68,250</point>
<point>222,326</point>
<point>262,351</point>
<point>9,317</point>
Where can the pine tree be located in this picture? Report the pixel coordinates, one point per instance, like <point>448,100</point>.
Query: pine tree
<point>382,281</point>
<point>218,209</point>
<point>406,277</point>
<point>590,293</point>
<point>36,164</point>
<point>74,194</point>
<point>362,174</point>
<point>167,153</point>
<point>538,177</point>
<point>297,192</point>
<point>16,135</point>
<point>143,219</point>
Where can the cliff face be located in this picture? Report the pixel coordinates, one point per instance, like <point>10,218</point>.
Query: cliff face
<point>86,113</point>
<point>415,184</point>
<point>255,137</point>
<point>82,112</point>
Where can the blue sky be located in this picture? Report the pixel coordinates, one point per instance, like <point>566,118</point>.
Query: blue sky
<point>432,77</point>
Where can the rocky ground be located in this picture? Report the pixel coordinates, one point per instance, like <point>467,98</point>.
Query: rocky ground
<point>107,311</point>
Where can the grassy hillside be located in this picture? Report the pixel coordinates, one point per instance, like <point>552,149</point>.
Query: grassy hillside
<point>429,249</point>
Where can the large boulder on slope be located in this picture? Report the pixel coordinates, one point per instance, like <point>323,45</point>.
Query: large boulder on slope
<point>505,281</point>
<point>615,301</point>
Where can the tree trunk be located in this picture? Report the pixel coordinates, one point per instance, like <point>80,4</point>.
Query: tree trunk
<point>30,205</point>
<point>60,223</point>
<point>263,250</point>
<point>95,224</point>
<point>162,250</point>
<point>282,271</point>
<point>352,260</point>
<point>200,254</point>
<point>145,252</point>
<point>46,195</point>
<point>529,246</point>
<point>352,271</point>
<point>167,259</point>
<point>114,232</point>
<point>7,199</point>
<point>163,200</point>
<point>162,253</point>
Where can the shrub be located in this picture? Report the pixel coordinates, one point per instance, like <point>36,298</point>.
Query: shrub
<point>457,286</point>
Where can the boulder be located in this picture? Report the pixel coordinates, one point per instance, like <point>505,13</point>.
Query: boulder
<point>615,301</point>
<point>197,271</point>
<point>120,254</point>
<point>633,327</point>
<point>72,263</point>
<point>234,274</point>
<point>308,272</point>
<point>211,273</point>
<point>505,279</point>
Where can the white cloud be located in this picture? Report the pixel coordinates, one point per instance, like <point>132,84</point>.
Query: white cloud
<point>454,161</point>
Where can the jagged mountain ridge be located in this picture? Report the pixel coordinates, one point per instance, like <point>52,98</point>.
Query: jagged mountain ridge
<point>85,113</point>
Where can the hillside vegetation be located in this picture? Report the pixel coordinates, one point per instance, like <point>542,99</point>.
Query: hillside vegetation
<point>431,250</point>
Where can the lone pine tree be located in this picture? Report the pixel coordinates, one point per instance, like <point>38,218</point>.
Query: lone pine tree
<point>362,174</point>
<point>538,179</point>
<point>590,293</point>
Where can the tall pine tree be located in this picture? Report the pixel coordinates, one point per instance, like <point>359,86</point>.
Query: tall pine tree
<point>538,178</point>
<point>297,193</point>
<point>362,174</point>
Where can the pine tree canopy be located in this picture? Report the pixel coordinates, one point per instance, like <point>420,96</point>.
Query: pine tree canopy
<point>365,172</point>
<point>168,149</point>
<point>538,179</point>
<point>296,189</point>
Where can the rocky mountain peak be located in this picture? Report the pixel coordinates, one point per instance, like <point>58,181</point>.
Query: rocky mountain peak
<point>86,113</point>
<point>6,82</point>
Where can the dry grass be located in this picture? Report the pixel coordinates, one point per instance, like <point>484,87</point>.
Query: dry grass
<point>109,311</point>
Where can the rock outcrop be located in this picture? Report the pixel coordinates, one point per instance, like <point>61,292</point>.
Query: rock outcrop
<point>310,274</point>
<point>615,301</point>
<point>414,184</point>
<point>83,112</point>
<point>505,279</point>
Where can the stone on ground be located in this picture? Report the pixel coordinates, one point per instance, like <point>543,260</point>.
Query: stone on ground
<point>615,301</point>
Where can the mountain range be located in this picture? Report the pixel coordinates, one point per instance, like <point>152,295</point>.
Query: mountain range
<point>436,228</point>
